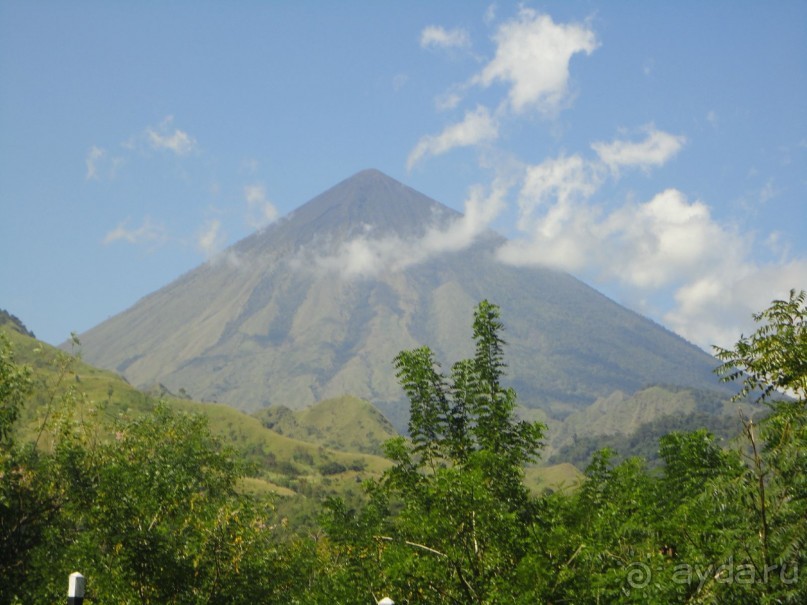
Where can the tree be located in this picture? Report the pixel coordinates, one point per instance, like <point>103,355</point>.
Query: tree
<point>772,363</point>
<point>15,386</point>
<point>152,516</point>
<point>713,524</point>
<point>450,521</point>
<point>470,415</point>
<point>27,502</point>
<point>774,358</point>
<point>146,508</point>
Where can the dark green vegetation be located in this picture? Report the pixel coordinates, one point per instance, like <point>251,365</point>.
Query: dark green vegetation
<point>279,319</point>
<point>151,505</point>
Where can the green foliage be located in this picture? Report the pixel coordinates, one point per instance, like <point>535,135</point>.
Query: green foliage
<point>471,412</point>
<point>149,508</point>
<point>15,386</point>
<point>148,511</point>
<point>774,358</point>
<point>150,516</point>
<point>452,523</point>
<point>468,421</point>
<point>25,506</point>
<point>462,512</point>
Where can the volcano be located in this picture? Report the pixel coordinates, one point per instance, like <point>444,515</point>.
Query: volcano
<point>317,305</point>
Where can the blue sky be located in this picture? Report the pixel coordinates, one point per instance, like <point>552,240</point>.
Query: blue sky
<point>655,150</point>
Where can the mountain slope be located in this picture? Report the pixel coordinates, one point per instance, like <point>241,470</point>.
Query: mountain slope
<point>277,320</point>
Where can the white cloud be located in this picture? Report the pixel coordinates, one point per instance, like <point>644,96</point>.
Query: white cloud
<point>210,239</point>
<point>260,211</point>
<point>435,36</point>
<point>646,245</point>
<point>549,203</point>
<point>655,150</point>
<point>366,256</point>
<point>561,228</point>
<point>662,247</point>
<point>178,141</point>
<point>665,241</point>
<point>666,244</point>
<point>93,157</point>
<point>477,126</point>
<point>448,100</point>
<point>100,165</point>
<point>532,57</point>
<point>559,182</point>
<point>147,232</point>
<point>768,192</point>
<point>481,209</point>
<point>716,309</point>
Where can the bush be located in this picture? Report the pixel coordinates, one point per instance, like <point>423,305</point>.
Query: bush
<point>332,468</point>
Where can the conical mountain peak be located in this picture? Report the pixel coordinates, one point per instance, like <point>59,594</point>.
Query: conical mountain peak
<point>369,203</point>
<point>371,198</point>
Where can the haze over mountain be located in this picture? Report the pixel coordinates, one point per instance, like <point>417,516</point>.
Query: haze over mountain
<point>317,305</point>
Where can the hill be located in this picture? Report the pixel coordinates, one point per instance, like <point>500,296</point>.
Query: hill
<point>343,423</point>
<point>631,425</point>
<point>282,464</point>
<point>291,315</point>
<point>7,319</point>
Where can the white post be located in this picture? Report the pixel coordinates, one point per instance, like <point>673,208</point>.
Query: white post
<point>386,601</point>
<point>75,589</point>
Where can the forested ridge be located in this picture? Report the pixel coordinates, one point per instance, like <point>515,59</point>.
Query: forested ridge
<point>151,508</point>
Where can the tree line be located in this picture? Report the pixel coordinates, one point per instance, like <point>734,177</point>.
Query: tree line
<point>150,511</point>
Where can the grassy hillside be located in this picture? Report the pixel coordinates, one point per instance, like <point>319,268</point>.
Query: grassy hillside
<point>345,423</point>
<point>282,464</point>
<point>104,396</point>
<point>14,323</point>
<point>280,454</point>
